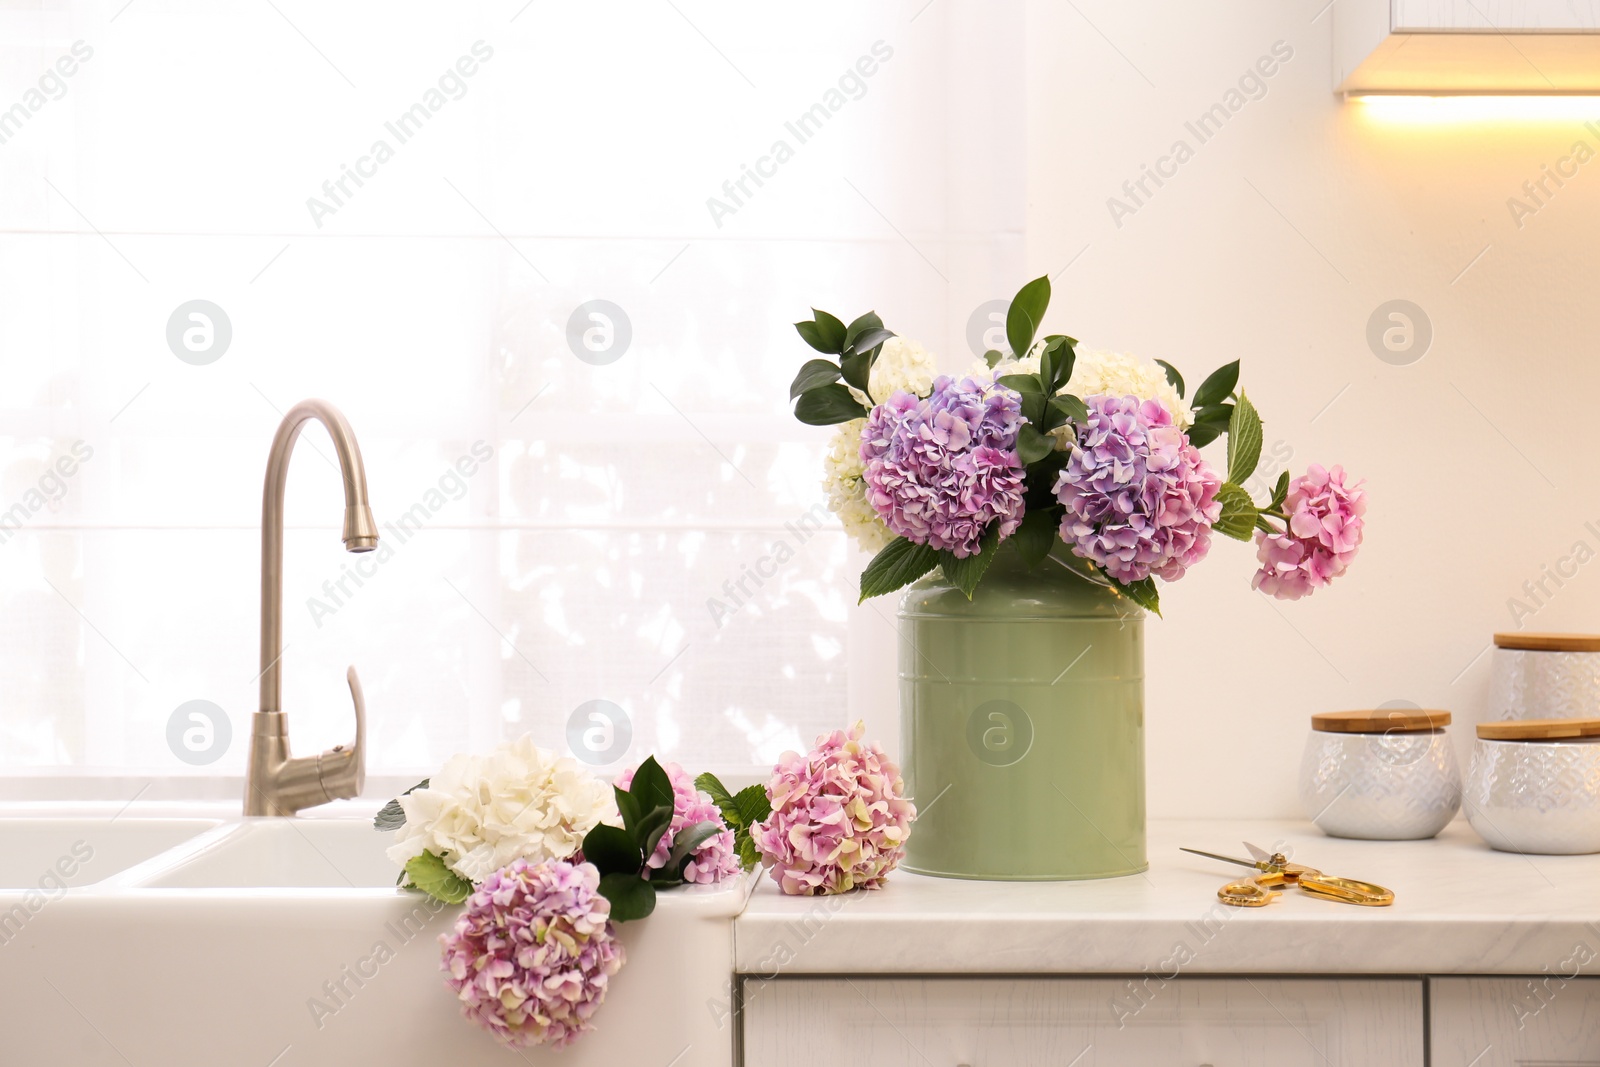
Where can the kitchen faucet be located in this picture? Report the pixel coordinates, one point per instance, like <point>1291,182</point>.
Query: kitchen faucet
<point>275,782</point>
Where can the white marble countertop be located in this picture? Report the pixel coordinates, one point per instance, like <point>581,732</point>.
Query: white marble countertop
<point>1460,908</point>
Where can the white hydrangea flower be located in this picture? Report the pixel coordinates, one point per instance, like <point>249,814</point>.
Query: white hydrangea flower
<point>521,801</point>
<point>901,364</point>
<point>847,492</point>
<point>1099,373</point>
<point>980,370</point>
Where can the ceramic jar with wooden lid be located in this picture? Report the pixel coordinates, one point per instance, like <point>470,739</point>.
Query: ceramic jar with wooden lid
<point>1545,676</point>
<point>1534,786</point>
<point>1383,775</point>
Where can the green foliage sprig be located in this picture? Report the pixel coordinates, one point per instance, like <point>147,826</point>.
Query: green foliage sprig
<point>740,811</point>
<point>620,852</point>
<point>821,398</point>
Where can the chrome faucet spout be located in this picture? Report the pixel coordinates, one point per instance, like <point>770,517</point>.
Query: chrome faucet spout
<point>275,782</point>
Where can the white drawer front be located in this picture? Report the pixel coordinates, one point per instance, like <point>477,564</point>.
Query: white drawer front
<point>1548,1021</point>
<point>1083,1022</point>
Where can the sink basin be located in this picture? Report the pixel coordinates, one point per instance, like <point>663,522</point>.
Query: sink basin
<point>273,853</point>
<point>50,854</point>
<point>285,942</point>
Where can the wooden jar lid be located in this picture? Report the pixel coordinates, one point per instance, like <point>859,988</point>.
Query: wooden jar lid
<point>1379,721</point>
<point>1549,642</point>
<point>1538,729</point>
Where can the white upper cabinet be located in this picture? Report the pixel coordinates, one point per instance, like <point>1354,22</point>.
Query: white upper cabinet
<point>1467,46</point>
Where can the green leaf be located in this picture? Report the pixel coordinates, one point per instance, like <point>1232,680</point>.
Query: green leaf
<point>651,788</point>
<point>831,331</point>
<point>1172,375</point>
<point>712,786</point>
<point>827,406</point>
<point>1238,518</point>
<point>1056,362</point>
<point>628,805</point>
<point>1033,398</point>
<point>811,335</point>
<point>814,373</point>
<point>1037,535</point>
<point>1244,441</point>
<point>429,874</point>
<point>752,805</point>
<point>857,368</point>
<point>1280,491</point>
<point>631,897</point>
<point>1071,407</point>
<point>1026,312</point>
<point>652,827</point>
<point>867,340</point>
<point>1143,593</point>
<point>898,565</point>
<point>1219,386</point>
<point>749,854</point>
<point>1019,331</point>
<point>869,321</point>
<point>611,848</point>
<point>993,357</point>
<point>1022,383</point>
<point>392,816</point>
<point>1032,445</point>
<point>1209,424</point>
<point>685,841</point>
<point>965,574</point>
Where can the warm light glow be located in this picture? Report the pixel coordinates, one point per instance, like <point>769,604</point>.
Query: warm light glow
<point>1439,110</point>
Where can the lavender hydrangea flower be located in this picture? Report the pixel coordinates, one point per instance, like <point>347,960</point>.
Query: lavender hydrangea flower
<point>940,471</point>
<point>712,861</point>
<point>532,953</point>
<point>1139,498</point>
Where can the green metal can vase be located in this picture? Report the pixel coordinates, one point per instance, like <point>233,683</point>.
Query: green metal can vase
<point>1022,725</point>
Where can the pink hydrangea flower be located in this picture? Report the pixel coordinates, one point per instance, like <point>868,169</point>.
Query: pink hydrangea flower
<point>1324,531</point>
<point>940,471</point>
<point>712,861</point>
<point>1139,499</point>
<point>532,954</point>
<point>839,820</point>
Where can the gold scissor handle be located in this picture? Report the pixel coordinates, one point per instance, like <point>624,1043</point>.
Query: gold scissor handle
<point>1255,892</point>
<point>1347,890</point>
<point>1247,894</point>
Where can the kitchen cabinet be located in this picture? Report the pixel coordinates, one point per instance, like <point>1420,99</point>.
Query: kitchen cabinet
<point>1547,1020</point>
<point>1083,1022</point>
<point>1466,46</point>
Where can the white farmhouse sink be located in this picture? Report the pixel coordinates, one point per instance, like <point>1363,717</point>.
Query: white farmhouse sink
<point>284,943</point>
<point>273,853</point>
<point>53,853</point>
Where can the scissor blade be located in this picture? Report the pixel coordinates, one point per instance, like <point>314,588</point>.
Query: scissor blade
<point>1224,859</point>
<point>1261,855</point>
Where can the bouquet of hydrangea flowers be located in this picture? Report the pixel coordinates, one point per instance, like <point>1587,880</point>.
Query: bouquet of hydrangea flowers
<point>1099,451</point>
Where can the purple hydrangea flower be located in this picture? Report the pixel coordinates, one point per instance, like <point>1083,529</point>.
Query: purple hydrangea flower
<point>532,953</point>
<point>941,471</point>
<point>1139,498</point>
<point>712,861</point>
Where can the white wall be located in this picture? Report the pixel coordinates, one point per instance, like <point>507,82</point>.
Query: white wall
<point>1274,244</point>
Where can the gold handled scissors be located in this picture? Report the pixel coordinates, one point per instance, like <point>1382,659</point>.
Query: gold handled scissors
<point>1276,870</point>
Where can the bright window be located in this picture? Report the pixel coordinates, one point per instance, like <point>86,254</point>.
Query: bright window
<point>407,211</point>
